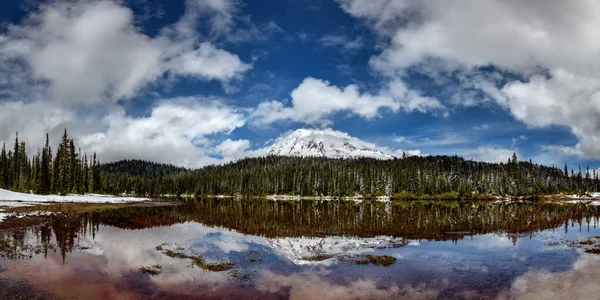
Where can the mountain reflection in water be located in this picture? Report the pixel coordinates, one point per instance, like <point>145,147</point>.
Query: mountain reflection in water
<point>303,249</point>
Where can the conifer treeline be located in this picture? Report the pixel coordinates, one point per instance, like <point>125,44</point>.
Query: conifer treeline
<point>65,172</point>
<point>409,177</point>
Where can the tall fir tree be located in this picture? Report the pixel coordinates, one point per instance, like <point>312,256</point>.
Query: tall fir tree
<point>4,168</point>
<point>44,180</point>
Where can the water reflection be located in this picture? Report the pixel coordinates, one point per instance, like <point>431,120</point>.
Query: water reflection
<point>442,250</point>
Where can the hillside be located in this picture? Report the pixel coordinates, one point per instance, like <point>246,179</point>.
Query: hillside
<point>411,177</point>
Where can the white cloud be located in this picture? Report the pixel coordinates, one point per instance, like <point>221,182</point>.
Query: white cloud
<point>314,100</point>
<point>220,14</point>
<point>32,121</point>
<point>579,282</point>
<point>316,286</point>
<point>342,42</point>
<point>558,86</point>
<point>438,140</point>
<point>175,132</point>
<point>208,62</point>
<point>562,149</point>
<point>90,52</point>
<point>232,150</point>
<point>481,127</point>
<point>70,64</point>
<point>402,139</point>
<point>488,154</point>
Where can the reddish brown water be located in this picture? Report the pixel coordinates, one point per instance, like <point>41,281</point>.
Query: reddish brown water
<point>468,251</point>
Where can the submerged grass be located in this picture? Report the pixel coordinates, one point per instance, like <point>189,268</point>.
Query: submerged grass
<point>200,261</point>
<point>590,245</point>
<point>378,260</point>
<point>318,257</point>
<point>593,250</point>
<point>152,270</point>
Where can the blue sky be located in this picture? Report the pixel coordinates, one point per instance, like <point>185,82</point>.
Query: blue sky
<point>204,81</point>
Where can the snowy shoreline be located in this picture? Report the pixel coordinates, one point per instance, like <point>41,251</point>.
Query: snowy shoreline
<point>9,198</point>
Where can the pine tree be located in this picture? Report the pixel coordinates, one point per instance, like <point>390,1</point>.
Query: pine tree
<point>56,172</point>
<point>23,182</point>
<point>73,169</point>
<point>44,180</point>
<point>92,175</point>
<point>15,165</point>
<point>4,168</point>
<point>85,171</point>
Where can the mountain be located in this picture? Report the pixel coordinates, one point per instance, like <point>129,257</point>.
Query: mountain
<point>326,143</point>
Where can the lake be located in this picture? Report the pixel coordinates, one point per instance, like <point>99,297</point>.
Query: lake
<point>261,249</point>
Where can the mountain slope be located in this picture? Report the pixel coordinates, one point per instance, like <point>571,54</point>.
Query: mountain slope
<point>326,143</point>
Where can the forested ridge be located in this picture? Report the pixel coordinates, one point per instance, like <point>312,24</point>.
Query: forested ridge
<point>67,170</point>
<point>446,177</point>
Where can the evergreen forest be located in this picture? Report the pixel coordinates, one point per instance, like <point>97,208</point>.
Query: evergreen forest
<point>67,170</point>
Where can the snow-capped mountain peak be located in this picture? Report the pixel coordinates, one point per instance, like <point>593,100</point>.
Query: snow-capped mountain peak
<point>327,143</point>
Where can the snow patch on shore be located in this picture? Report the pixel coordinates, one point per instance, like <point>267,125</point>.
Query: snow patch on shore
<point>14,199</point>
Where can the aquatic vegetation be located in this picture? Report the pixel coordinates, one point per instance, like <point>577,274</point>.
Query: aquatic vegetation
<point>595,250</point>
<point>253,256</point>
<point>371,259</point>
<point>318,257</point>
<point>152,270</point>
<point>590,244</point>
<point>239,276</point>
<point>201,262</point>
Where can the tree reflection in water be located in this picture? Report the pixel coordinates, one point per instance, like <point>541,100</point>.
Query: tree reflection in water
<point>438,221</point>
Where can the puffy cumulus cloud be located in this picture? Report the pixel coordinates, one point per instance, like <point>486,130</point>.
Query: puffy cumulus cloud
<point>488,154</point>
<point>175,132</point>
<point>90,52</point>
<point>207,62</point>
<point>479,33</point>
<point>233,149</point>
<point>580,282</point>
<point>562,99</point>
<point>181,131</point>
<point>70,64</point>
<point>314,286</point>
<point>544,55</point>
<point>33,120</point>
<point>314,100</point>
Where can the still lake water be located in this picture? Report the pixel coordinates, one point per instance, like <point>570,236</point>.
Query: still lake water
<point>260,249</point>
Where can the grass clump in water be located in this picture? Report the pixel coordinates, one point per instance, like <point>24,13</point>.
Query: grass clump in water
<point>593,250</point>
<point>317,257</point>
<point>152,270</point>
